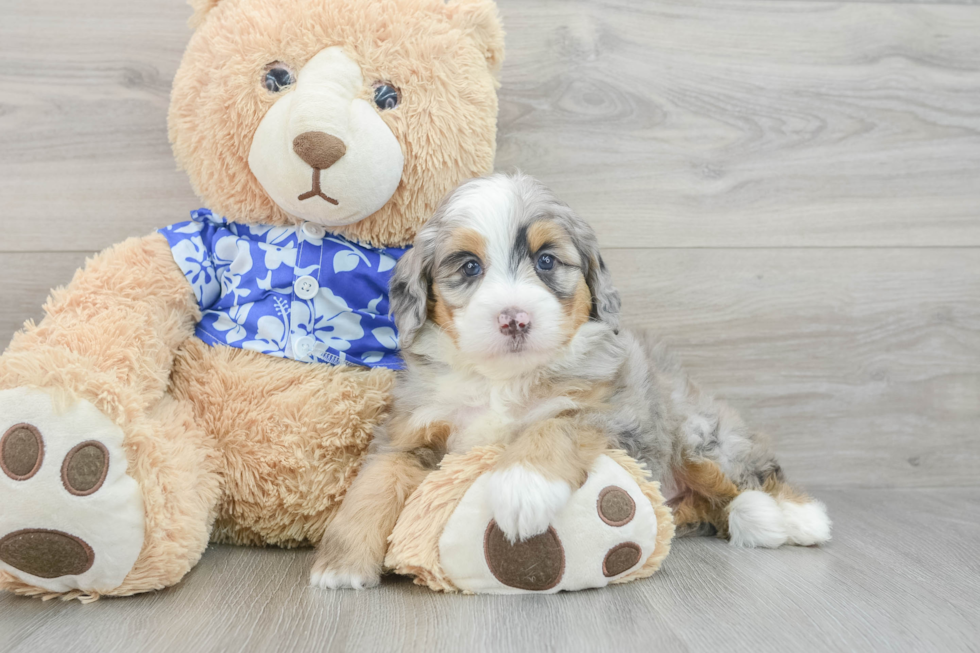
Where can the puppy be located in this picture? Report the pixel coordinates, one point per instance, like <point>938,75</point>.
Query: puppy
<point>509,327</point>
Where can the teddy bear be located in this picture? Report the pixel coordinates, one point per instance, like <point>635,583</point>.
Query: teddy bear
<point>219,380</point>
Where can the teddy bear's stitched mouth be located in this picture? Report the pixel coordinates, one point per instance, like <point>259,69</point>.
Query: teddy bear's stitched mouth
<point>315,191</point>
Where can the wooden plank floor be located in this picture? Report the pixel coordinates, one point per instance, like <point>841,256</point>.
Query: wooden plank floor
<point>788,191</point>
<point>887,582</point>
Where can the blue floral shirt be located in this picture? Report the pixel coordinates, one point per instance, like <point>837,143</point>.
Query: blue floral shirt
<point>291,292</point>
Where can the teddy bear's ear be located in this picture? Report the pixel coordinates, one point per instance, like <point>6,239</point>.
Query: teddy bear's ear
<point>479,18</point>
<point>201,9</point>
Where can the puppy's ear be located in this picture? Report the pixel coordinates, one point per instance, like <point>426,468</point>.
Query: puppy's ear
<point>412,278</point>
<point>411,281</point>
<point>605,297</point>
<point>409,293</point>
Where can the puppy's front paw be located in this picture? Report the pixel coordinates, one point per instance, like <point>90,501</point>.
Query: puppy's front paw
<point>524,502</point>
<point>336,579</point>
<point>341,566</point>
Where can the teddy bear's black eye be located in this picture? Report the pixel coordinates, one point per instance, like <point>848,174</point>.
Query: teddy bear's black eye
<point>277,78</point>
<point>385,96</point>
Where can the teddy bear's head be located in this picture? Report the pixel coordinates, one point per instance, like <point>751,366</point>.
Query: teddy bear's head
<point>358,115</point>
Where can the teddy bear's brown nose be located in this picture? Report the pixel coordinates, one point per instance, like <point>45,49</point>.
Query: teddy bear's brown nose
<point>319,150</point>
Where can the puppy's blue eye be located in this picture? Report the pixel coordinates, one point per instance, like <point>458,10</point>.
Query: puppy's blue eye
<point>472,268</point>
<point>385,96</point>
<point>277,78</point>
<point>546,262</point>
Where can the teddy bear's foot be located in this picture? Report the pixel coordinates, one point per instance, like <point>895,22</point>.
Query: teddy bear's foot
<point>71,518</point>
<point>606,531</point>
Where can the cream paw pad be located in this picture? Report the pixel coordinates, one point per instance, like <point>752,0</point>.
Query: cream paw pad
<point>615,528</point>
<point>72,518</point>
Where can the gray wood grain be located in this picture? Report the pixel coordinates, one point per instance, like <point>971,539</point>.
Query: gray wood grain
<point>884,583</point>
<point>715,123</point>
<point>750,123</point>
<point>864,364</point>
<point>84,158</point>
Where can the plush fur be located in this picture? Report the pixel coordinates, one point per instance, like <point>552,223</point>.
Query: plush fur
<point>509,325</point>
<point>231,445</point>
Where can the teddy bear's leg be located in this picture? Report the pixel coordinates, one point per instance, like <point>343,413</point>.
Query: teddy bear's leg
<point>106,511</point>
<point>178,468</point>
<point>614,528</point>
<point>82,402</point>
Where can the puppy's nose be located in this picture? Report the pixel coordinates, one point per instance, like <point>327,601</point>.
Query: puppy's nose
<point>319,150</point>
<point>513,322</point>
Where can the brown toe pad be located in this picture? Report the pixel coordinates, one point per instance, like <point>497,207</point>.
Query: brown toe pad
<point>620,558</point>
<point>46,554</point>
<point>616,507</point>
<point>21,452</point>
<point>536,564</point>
<point>85,468</point>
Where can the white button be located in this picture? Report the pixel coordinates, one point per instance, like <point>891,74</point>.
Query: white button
<point>303,346</point>
<point>306,287</point>
<point>314,230</point>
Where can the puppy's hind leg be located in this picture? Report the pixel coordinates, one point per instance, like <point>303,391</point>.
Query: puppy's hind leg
<point>734,483</point>
<point>805,519</point>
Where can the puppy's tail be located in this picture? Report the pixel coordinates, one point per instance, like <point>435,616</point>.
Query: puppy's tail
<point>768,517</point>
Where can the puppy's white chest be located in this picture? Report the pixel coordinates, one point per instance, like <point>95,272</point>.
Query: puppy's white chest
<point>481,422</point>
<point>486,429</point>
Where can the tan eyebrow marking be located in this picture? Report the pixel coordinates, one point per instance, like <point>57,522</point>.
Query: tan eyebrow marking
<point>545,232</point>
<point>465,239</point>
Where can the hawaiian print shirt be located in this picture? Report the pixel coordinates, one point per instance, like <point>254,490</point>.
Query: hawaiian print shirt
<point>291,292</point>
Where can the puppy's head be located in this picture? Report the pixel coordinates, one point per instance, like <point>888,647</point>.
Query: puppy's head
<point>508,271</point>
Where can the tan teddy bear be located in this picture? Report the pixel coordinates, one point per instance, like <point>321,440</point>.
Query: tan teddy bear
<point>219,380</point>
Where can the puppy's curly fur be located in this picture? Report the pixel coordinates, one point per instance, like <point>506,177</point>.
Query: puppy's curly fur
<point>509,324</point>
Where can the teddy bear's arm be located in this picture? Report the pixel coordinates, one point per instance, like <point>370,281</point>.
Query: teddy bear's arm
<point>110,336</point>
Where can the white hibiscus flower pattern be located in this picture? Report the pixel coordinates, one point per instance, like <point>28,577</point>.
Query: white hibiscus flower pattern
<point>244,275</point>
